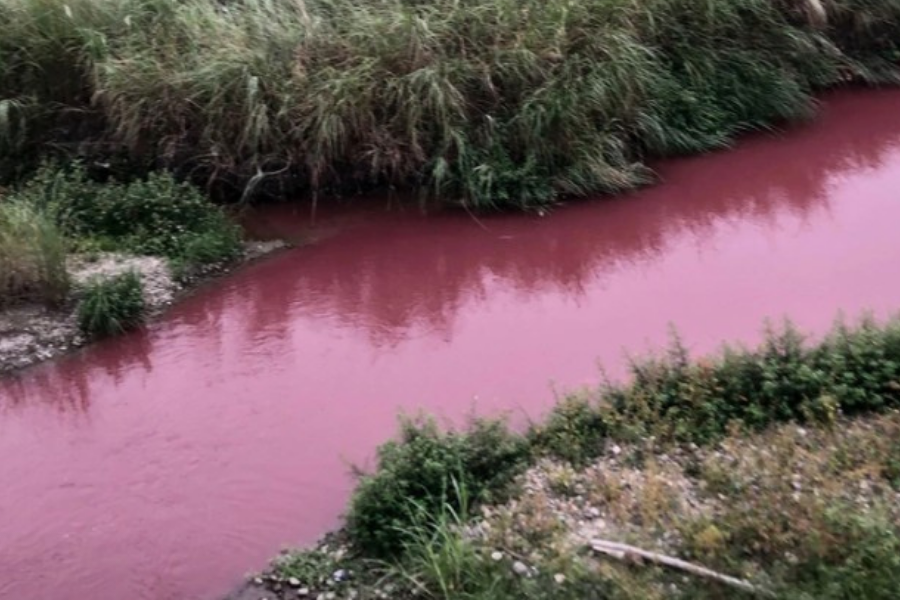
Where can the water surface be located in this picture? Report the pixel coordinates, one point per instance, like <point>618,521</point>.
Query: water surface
<point>165,464</point>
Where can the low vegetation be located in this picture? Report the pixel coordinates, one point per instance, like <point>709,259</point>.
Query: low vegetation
<point>156,216</point>
<point>111,306</point>
<point>60,210</point>
<point>32,254</point>
<point>488,103</point>
<point>777,464</point>
<point>62,225</point>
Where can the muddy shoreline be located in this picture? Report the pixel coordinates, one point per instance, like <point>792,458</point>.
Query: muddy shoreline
<point>32,333</point>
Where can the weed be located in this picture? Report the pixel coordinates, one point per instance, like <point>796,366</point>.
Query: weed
<point>419,470</point>
<point>574,431</point>
<point>111,306</point>
<point>153,216</point>
<point>32,254</point>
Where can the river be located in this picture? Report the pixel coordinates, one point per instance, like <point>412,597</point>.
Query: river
<point>167,463</point>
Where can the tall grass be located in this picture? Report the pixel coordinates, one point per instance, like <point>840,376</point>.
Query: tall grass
<point>489,103</point>
<point>32,254</point>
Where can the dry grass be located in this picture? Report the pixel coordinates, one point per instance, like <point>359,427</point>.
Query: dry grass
<point>785,508</point>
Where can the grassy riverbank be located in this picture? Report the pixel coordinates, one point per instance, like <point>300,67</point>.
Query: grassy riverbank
<point>489,103</point>
<point>81,259</point>
<point>778,465</point>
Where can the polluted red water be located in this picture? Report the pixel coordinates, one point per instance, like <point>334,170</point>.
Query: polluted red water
<point>168,463</point>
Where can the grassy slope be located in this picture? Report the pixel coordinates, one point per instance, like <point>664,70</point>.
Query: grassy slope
<point>486,102</point>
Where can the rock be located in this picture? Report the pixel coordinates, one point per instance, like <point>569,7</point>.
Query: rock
<point>496,555</point>
<point>294,582</point>
<point>559,578</point>
<point>258,580</point>
<point>520,568</point>
<point>303,592</point>
<point>616,450</point>
<point>339,575</point>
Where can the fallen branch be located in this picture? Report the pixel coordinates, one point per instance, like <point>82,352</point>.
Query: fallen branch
<point>632,554</point>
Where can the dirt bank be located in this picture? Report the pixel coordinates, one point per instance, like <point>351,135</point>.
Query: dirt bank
<point>31,333</point>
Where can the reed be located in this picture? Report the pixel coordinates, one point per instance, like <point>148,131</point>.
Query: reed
<point>32,255</point>
<point>486,103</point>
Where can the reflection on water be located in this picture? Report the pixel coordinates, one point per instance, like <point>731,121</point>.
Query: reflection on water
<point>165,463</point>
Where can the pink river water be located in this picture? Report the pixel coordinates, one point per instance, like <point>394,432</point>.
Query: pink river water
<point>168,463</point>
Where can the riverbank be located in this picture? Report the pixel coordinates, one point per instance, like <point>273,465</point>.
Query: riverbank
<point>484,103</point>
<point>33,332</point>
<point>773,472</point>
<point>794,512</point>
<point>83,259</point>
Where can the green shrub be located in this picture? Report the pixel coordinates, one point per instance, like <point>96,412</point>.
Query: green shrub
<point>155,216</point>
<point>32,254</point>
<point>112,306</point>
<point>420,469</point>
<point>575,431</point>
<point>852,370</point>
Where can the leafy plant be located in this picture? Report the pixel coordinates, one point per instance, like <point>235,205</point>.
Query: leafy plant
<point>575,431</point>
<point>155,216</point>
<point>420,469</point>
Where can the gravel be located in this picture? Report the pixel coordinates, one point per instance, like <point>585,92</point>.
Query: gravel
<point>33,333</point>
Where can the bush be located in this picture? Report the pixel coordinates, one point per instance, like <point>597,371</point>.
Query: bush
<point>32,254</point>
<point>574,431</point>
<point>155,216</point>
<point>671,396</point>
<point>421,469</point>
<point>112,306</point>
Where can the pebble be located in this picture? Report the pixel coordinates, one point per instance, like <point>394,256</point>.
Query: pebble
<point>294,581</point>
<point>520,568</point>
<point>559,578</point>
<point>339,575</point>
<point>303,592</point>
<point>496,555</point>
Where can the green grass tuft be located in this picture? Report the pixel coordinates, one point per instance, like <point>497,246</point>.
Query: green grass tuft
<point>32,254</point>
<point>112,306</point>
